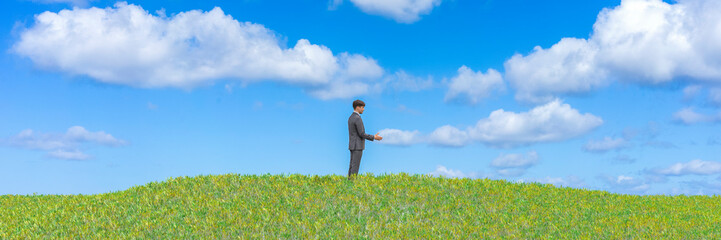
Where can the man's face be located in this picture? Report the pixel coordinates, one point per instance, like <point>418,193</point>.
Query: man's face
<point>360,109</point>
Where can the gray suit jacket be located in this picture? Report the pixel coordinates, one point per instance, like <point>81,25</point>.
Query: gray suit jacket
<point>356,133</point>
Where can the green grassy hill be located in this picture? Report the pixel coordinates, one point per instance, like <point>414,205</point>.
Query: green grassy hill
<point>396,206</point>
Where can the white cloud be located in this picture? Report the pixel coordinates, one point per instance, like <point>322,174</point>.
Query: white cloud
<point>554,121</point>
<point>713,97</point>
<point>625,184</point>
<point>474,86</point>
<point>443,171</point>
<point>344,88</point>
<point>605,145</point>
<point>126,45</point>
<point>402,11</point>
<point>646,41</point>
<point>515,160</point>
<point>63,146</point>
<point>448,136</point>
<point>79,3</point>
<point>341,89</point>
<point>452,173</point>
<point>514,164</point>
<point>399,137</point>
<point>569,66</point>
<point>647,136</point>
<point>333,4</point>
<point>80,134</point>
<point>689,116</point>
<point>697,167</point>
<point>28,139</point>
<point>691,91</point>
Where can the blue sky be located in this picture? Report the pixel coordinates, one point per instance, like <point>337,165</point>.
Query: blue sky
<point>621,96</point>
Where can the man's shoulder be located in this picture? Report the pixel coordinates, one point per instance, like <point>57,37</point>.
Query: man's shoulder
<point>355,118</point>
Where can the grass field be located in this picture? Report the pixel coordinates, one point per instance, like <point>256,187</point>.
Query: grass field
<point>394,206</point>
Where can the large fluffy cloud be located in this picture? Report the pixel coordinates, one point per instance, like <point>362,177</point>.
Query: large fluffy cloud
<point>403,11</point>
<point>63,146</point>
<point>126,45</point>
<point>646,41</point>
<point>471,87</point>
<point>569,66</point>
<point>554,121</point>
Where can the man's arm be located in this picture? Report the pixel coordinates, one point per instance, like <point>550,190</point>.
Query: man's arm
<point>361,130</point>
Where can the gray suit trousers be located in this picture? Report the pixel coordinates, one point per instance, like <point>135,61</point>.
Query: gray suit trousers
<point>355,157</point>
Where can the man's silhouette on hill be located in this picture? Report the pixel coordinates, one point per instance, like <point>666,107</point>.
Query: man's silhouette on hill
<point>357,136</point>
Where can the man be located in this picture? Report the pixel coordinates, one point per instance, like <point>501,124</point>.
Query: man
<point>357,136</point>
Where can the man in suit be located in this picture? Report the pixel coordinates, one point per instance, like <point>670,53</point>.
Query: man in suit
<point>357,137</point>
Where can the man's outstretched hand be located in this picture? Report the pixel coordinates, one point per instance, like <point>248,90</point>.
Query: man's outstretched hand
<point>378,137</point>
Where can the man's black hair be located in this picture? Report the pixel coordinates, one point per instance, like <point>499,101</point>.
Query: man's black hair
<point>358,103</point>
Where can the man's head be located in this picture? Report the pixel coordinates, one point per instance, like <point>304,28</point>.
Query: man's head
<point>359,106</point>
